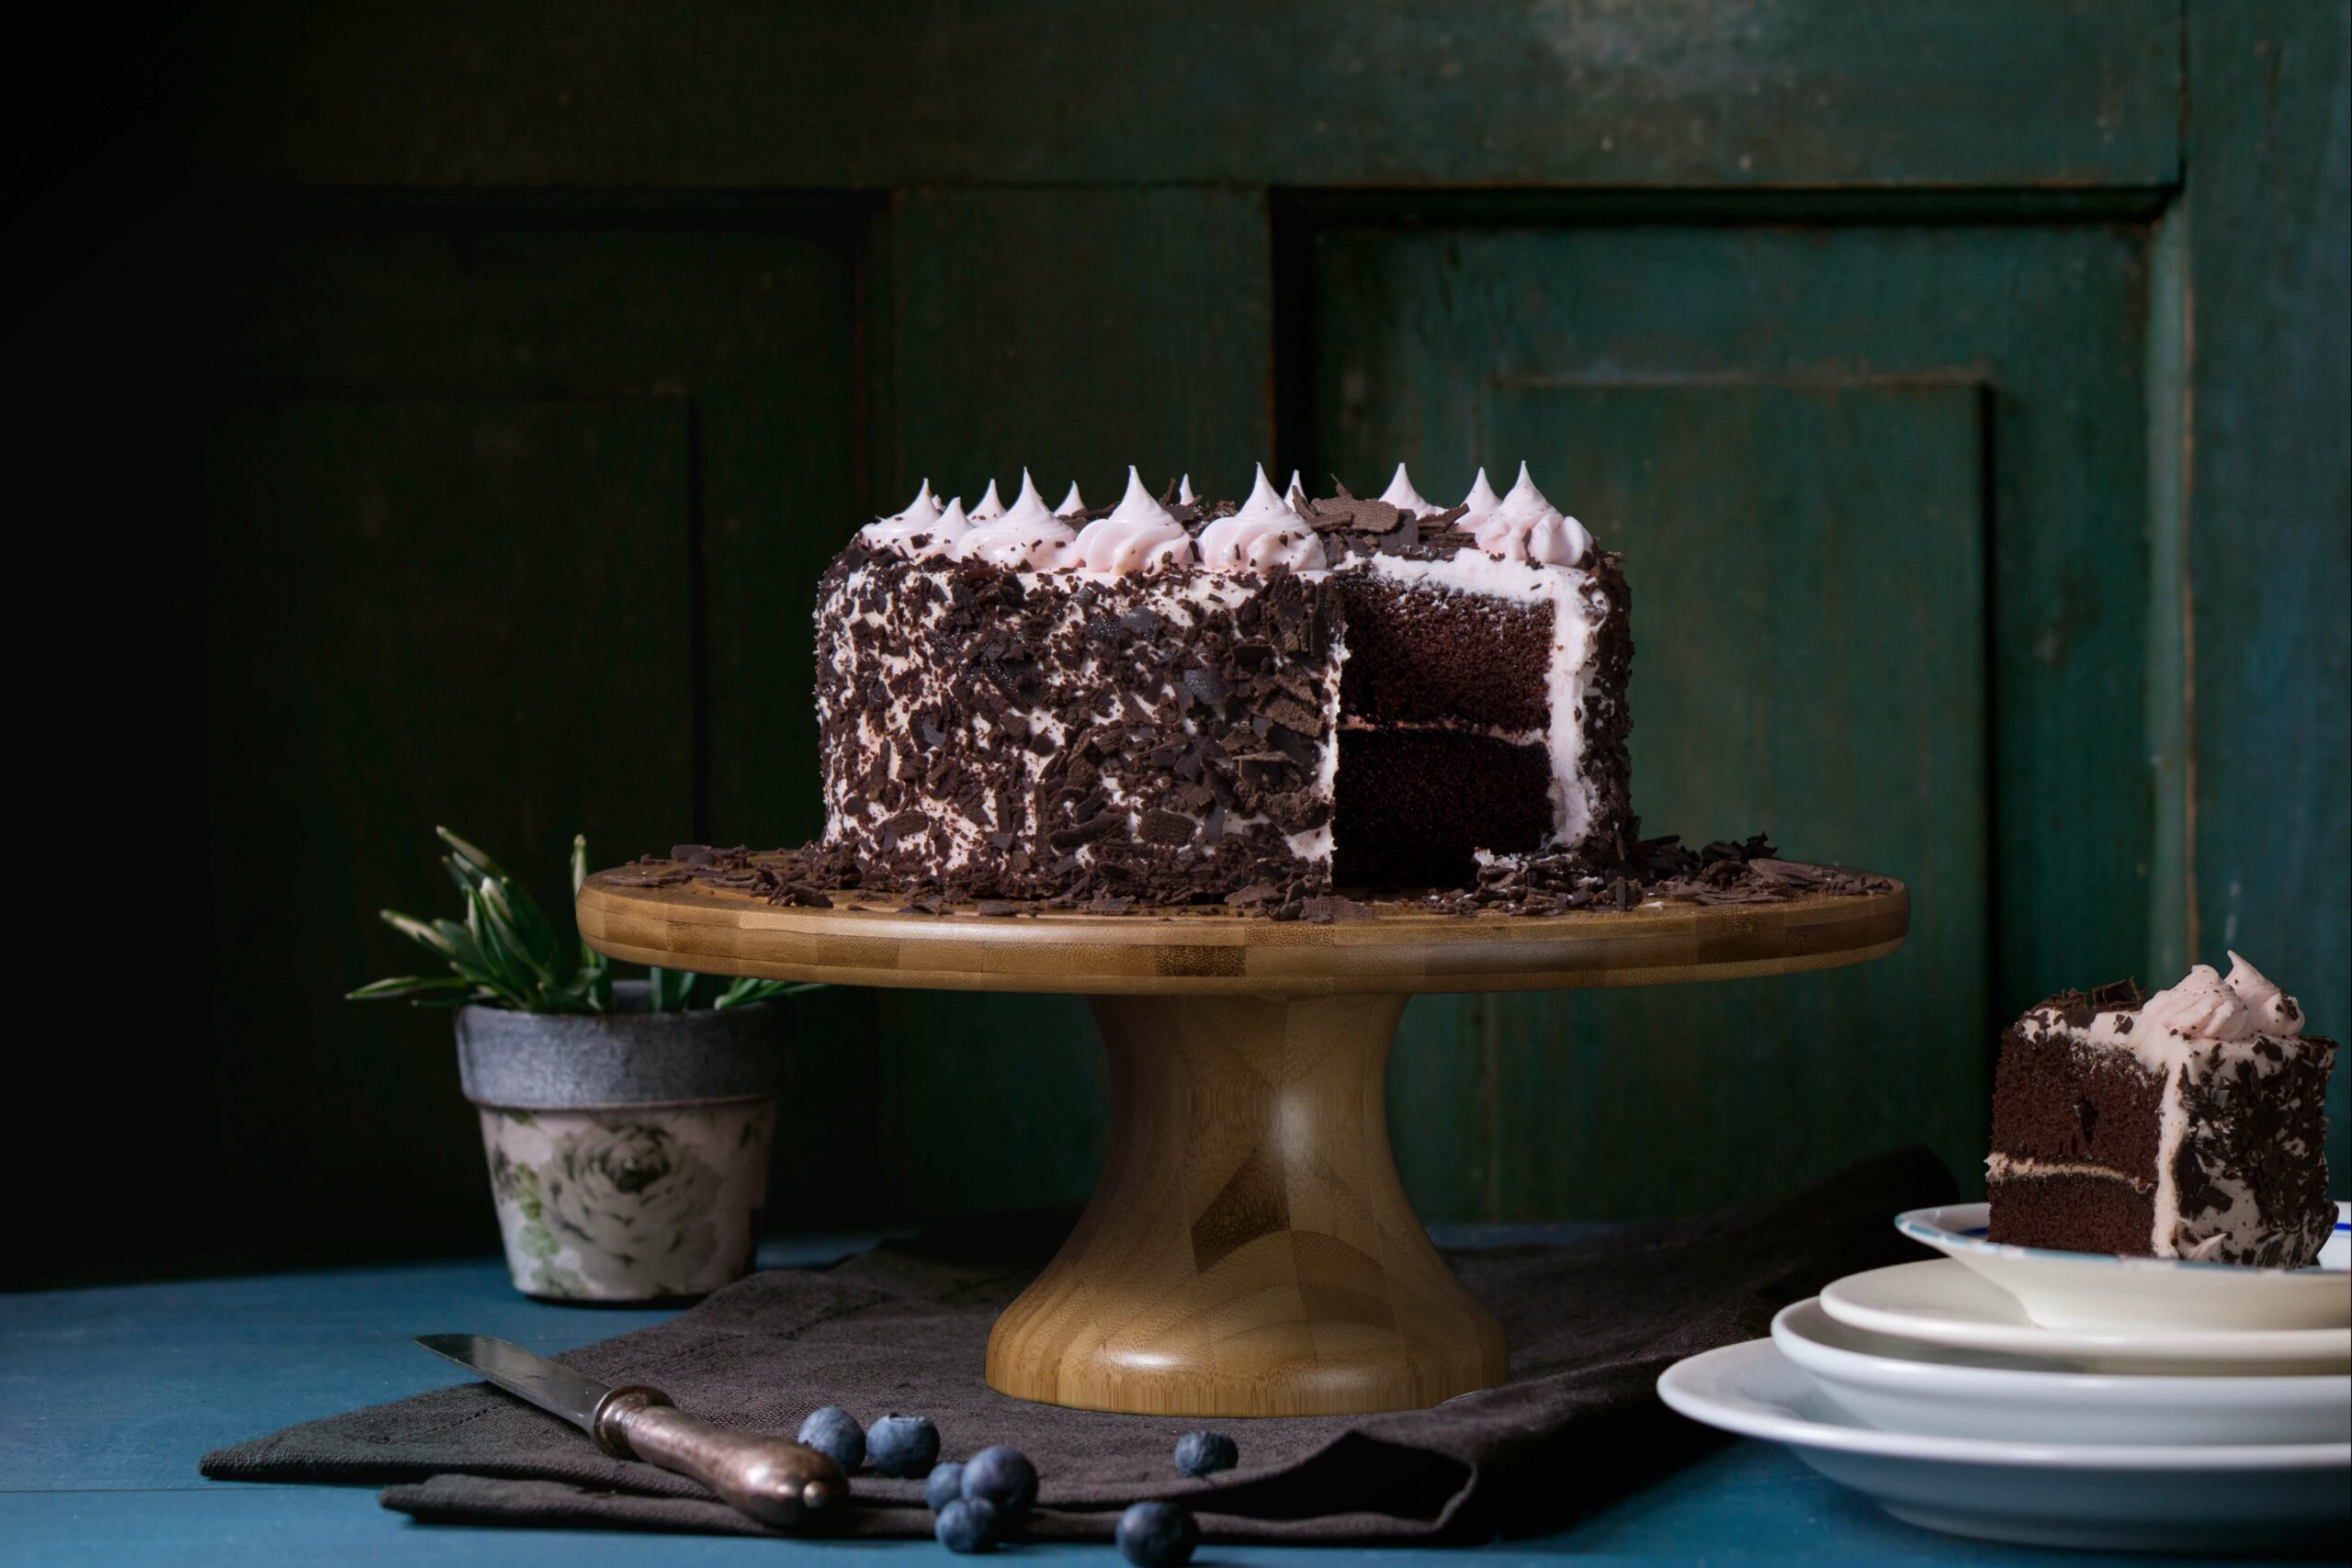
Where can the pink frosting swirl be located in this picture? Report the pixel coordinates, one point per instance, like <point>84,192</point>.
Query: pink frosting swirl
<point>2275,1012</point>
<point>1524,526</point>
<point>1263,535</point>
<point>2201,1007</point>
<point>2207,1006</point>
<point>1027,538</point>
<point>1138,536</point>
<point>922,520</point>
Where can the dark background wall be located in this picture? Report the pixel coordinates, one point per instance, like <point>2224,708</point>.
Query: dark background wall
<point>431,419</point>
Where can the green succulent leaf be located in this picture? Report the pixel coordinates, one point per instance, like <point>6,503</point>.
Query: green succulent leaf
<point>671,988</point>
<point>506,952</point>
<point>452,989</point>
<point>749,990</point>
<point>478,864</point>
<point>418,932</point>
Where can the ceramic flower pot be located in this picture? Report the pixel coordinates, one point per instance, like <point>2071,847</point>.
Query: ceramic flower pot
<point>629,1151</point>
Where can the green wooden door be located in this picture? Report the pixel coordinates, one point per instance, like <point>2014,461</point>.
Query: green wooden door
<point>1878,481</point>
<point>1965,383</point>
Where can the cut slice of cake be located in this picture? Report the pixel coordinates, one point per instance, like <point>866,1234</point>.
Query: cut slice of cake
<point>2192,1123</point>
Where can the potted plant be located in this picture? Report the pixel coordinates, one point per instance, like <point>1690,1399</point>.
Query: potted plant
<point>627,1121</point>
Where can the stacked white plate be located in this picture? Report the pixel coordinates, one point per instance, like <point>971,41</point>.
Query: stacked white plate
<point>2062,1398</point>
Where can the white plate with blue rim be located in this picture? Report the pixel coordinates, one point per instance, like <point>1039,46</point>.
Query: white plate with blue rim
<point>1900,1387</point>
<point>2101,1293</point>
<point>2122,1497</point>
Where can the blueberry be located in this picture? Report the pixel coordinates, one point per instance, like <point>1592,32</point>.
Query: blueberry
<point>835,1432</point>
<point>945,1485</point>
<point>902,1445</point>
<point>1157,1535</point>
<point>968,1524</point>
<point>1005,1477</point>
<point>1205,1453</point>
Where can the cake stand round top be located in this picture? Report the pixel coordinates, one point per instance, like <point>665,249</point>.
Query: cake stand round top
<point>720,930</point>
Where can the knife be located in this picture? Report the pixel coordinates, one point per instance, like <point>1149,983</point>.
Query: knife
<point>775,1481</point>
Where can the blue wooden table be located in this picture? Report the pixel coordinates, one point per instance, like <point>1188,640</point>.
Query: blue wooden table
<point>108,1397</point>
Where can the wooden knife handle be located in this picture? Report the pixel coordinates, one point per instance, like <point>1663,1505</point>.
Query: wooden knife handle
<point>774,1480</point>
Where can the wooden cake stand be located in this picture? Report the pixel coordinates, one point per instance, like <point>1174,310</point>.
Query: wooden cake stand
<point>1249,1250</point>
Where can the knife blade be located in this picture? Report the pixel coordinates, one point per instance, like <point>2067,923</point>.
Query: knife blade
<point>773,1479</point>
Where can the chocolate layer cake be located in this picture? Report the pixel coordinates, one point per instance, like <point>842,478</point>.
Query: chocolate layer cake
<point>1189,702</point>
<point>2189,1124</point>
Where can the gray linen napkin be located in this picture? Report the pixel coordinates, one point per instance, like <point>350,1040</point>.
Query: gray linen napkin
<point>903,1328</point>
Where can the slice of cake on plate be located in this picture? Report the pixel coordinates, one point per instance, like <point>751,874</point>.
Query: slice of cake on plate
<point>2190,1123</point>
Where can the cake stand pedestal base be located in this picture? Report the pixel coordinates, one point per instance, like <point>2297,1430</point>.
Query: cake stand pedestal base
<point>1249,1250</point>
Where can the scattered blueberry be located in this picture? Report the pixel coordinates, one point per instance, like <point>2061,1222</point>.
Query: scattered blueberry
<point>945,1485</point>
<point>1205,1453</point>
<point>1005,1477</point>
<point>835,1432</point>
<point>1157,1535</point>
<point>902,1445</point>
<point>968,1524</point>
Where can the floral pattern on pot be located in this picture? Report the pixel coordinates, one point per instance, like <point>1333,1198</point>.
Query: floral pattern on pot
<point>629,1204</point>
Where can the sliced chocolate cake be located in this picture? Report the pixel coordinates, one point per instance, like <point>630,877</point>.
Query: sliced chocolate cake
<point>2189,1124</point>
<point>1185,702</point>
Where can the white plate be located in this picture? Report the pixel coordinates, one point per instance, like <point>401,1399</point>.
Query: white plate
<point>1943,1302</point>
<point>2103,1293</point>
<point>1884,1383</point>
<point>2120,1499</point>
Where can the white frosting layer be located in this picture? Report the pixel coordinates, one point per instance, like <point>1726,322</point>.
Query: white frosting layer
<point>1140,535</point>
<point>1027,537</point>
<point>990,506</point>
<point>2001,1167</point>
<point>1071,502</point>
<point>1263,535</point>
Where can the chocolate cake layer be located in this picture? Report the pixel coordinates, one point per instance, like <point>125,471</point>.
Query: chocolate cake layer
<point>2073,1213</point>
<point>2056,1100</point>
<point>1413,804</point>
<point>1439,656</point>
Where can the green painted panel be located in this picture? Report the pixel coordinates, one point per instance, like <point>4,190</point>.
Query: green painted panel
<point>1323,93</point>
<point>1075,332</point>
<point>380,657</point>
<point>755,326</point>
<point>1437,341</point>
<point>1810,618</point>
<point>2268,563</point>
<point>668,700</point>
